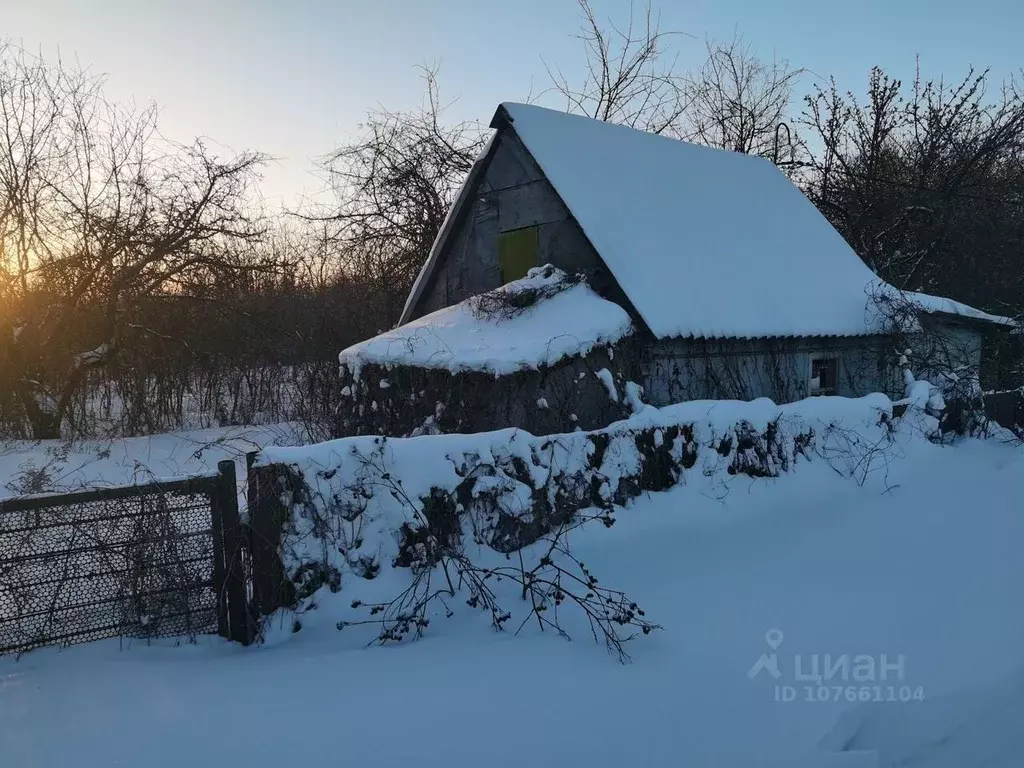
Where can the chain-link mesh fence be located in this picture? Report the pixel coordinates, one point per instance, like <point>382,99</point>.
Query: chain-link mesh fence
<point>124,562</point>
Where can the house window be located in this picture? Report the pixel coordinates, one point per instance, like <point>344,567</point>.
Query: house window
<point>824,376</point>
<point>517,253</point>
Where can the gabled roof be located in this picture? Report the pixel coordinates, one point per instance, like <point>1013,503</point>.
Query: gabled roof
<point>704,242</point>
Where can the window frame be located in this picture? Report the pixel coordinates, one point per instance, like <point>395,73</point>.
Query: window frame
<point>510,243</point>
<point>823,357</point>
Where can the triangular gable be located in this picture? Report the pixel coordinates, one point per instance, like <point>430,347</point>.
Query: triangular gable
<point>433,261</point>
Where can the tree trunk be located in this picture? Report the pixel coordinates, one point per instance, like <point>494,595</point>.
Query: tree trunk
<point>45,427</point>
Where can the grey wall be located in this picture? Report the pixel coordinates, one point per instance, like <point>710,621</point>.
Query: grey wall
<point>696,369</point>
<point>945,345</point>
<point>512,193</point>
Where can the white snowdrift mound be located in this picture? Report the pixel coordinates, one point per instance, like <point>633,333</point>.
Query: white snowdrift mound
<point>979,726</point>
<point>571,322</point>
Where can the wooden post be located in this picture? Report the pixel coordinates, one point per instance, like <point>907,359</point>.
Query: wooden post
<point>220,558</point>
<point>234,591</point>
<point>267,516</point>
<point>253,623</point>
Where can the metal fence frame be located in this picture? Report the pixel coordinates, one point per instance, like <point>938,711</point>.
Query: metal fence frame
<point>228,581</point>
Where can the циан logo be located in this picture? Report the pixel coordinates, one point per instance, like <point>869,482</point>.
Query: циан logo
<point>827,677</point>
<point>768,662</point>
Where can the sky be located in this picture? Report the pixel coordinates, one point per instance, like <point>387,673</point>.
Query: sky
<point>294,78</point>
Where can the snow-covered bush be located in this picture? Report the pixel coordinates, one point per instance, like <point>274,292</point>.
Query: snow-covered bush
<point>939,360</point>
<point>954,399</point>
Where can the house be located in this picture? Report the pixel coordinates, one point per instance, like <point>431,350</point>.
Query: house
<point>736,285</point>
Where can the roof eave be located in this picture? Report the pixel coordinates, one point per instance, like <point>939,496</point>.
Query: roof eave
<point>867,334</point>
<point>981,323</point>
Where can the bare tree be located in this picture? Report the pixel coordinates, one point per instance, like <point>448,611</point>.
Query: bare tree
<point>393,187</point>
<point>926,182</point>
<point>631,74</point>
<point>98,213</point>
<point>737,101</point>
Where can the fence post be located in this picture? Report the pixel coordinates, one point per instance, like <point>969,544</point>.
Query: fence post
<point>267,516</point>
<point>220,558</point>
<point>252,617</point>
<point>233,600</point>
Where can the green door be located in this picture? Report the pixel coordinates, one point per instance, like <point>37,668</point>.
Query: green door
<point>517,253</point>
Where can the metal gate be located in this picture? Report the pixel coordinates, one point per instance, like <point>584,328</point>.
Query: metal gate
<point>140,561</point>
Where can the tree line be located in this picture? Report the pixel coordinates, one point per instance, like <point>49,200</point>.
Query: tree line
<point>144,286</point>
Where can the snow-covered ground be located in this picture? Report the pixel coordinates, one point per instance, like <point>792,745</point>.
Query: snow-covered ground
<point>52,466</point>
<point>980,726</point>
<point>922,565</point>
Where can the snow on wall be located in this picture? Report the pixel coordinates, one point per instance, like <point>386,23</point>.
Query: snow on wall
<point>354,500</point>
<point>457,338</point>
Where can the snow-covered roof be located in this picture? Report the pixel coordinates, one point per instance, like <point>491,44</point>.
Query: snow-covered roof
<point>704,242</point>
<point>571,321</point>
<point>894,310</point>
<point>938,305</point>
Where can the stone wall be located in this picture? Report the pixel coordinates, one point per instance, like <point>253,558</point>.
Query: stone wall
<point>573,393</point>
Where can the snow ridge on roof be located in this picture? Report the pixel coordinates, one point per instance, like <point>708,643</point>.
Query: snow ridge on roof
<point>939,305</point>
<point>705,242</point>
<point>573,321</point>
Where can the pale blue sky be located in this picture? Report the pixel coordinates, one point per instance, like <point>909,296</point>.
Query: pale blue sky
<point>294,78</point>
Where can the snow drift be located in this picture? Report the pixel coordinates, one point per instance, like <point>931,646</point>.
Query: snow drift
<point>975,726</point>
